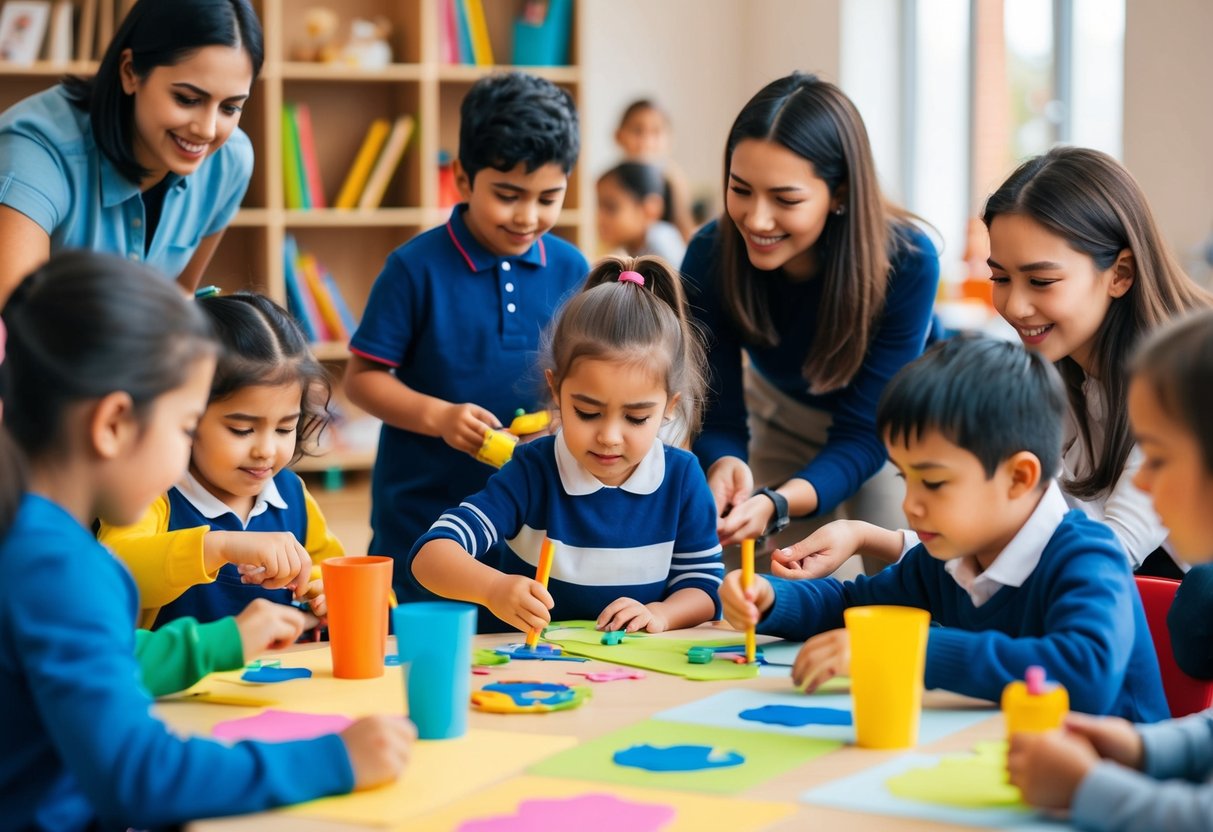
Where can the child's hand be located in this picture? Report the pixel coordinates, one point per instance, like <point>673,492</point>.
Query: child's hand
<point>823,657</point>
<point>743,608</point>
<point>819,554</point>
<point>464,426</point>
<point>746,521</point>
<point>633,616</point>
<point>1112,738</point>
<point>520,602</point>
<point>731,482</point>
<point>269,559</point>
<point>316,602</point>
<point>1048,768</point>
<point>264,625</point>
<point>379,748</point>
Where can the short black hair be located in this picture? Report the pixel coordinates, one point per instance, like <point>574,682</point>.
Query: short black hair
<point>514,117</point>
<point>639,179</point>
<point>992,398</point>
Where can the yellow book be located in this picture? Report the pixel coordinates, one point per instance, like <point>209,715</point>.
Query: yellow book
<point>355,180</point>
<point>324,303</point>
<point>389,160</point>
<point>482,46</point>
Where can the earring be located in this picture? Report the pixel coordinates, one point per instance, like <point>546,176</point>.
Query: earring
<point>840,210</point>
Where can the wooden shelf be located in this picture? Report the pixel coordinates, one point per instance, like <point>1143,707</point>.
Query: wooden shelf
<point>331,350</point>
<point>339,73</point>
<point>47,69</point>
<point>463,73</point>
<point>377,218</point>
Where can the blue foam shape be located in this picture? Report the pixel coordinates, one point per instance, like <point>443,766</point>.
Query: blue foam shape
<point>270,675</point>
<point>797,716</point>
<point>541,652</point>
<point>529,693</point>
<point>676,758</point>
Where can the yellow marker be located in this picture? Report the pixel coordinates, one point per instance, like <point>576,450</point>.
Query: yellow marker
<point>747,581</point>
<point>497,448</point>
<point>542,573</point>
<point>1032,706</point>
<point>528,423</point>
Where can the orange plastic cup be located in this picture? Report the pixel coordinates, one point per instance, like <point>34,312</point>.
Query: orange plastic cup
<point>357,590</point>
<point>888,659</point>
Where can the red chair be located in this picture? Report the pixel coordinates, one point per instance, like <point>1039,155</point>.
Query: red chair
<point>1185,694</point>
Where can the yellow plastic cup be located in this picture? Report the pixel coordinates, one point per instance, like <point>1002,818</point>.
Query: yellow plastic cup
<point>888,659</point>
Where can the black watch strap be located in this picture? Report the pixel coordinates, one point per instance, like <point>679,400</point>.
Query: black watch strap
<point>780,521</point>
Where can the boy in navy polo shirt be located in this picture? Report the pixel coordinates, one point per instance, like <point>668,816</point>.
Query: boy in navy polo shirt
<point>446,348</point>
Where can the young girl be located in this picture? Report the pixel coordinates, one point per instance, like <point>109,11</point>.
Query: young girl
<point>239,515</point>
<point>644,136</point>
<point>630,205</point>
<point>1169,404</point>
<point>632,520</point>
<point>109,369</point>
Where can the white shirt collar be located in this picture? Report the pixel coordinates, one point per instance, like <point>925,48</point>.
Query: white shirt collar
<point>1017,561</point>
<point>211,507</point>
<point>578,482</point>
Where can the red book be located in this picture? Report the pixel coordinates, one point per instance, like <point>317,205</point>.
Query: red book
<point>307,148</point>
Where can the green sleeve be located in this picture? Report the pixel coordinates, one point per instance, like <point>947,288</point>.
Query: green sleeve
<point>183,651</point>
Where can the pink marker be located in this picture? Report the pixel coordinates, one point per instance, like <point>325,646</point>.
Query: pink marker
<point>608,675</point>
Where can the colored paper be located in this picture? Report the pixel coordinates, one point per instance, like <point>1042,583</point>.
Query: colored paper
<point>273,675</point>
<point>440,772</point>
<point>279,726</point>
<point>796,716</point>
<point>588,813</point>
<point>977,780</point>
<point>692,812</point>
<point>664,655</point>
<point>766,755</point>
<point>868,793</point>
<point>677,758</point>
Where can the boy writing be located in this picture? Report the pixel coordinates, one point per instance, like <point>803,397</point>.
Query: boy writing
<point>446,348</point>
<point>1010,576</point>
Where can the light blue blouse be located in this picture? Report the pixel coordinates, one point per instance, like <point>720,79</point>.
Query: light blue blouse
<point>52,171</point>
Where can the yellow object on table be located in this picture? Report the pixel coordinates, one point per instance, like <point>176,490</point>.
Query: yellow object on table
<point>1033,705</point>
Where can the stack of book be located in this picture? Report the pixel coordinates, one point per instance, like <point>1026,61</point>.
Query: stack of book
<point>313,298</point>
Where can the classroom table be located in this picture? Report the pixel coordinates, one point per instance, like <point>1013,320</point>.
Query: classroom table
<point>613,705</point>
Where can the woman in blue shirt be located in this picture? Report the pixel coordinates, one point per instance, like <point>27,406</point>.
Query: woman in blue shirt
<point>827,289</point>
<point>145,159</point>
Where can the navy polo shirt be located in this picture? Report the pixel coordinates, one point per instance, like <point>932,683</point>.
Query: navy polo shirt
<point>458,322</point>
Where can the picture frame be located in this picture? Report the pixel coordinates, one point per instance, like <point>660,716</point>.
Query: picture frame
<point>23,25</point>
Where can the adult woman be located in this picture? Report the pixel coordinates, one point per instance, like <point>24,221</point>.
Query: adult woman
<point>145,158</point>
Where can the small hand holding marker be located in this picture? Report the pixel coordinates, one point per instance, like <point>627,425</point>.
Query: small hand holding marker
<point>542,574</point>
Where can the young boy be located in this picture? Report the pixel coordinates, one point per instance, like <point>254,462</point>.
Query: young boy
<point>446,347</point>
<point>1010,577</point>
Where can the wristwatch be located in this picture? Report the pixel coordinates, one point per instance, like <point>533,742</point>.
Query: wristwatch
<point>780,521</point>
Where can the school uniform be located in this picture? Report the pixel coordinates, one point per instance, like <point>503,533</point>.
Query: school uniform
<point>82,749</point>
<point>181,652</point>
<point>52,171</point>
<point>1059,595</point>
<point>455,321</point>
<point>651,536</point>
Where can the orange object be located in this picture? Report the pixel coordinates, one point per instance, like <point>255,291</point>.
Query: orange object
<point>1033,706</point>
<point>747,581</point>
<point>358,590</point>
<point>542,573</point>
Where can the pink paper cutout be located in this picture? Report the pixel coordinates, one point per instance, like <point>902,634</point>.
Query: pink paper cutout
<point>585,813</point>
<point>279,726</point>
<point>609,675</point>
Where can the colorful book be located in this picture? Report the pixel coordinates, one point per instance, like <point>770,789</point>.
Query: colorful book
<point>292,182</point>
<point>307,266</point>
<point>343,309</point>
<point>296,304</point>
<point>450,32</point>
<point>466,55</point>
<point>355,180</point>
<point>389,160</point>
<point>307,155</point>
<point>478,27</point>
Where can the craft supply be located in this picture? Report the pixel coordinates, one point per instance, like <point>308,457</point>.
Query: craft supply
<point>273,675</point>
<point>608,675</point>
<point>542,573</point>
<point>357,589</point>
<point>540,652</point>
<point>888,657</point>
<point>676,758</point>
<point>747,582</point>
<point>528,697</point>
<point>1034,705</point>
<point>435,639</point>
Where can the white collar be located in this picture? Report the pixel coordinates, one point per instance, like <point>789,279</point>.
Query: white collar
<point>1018,560</point>
<point>211,507</point>
<point>578,482</point>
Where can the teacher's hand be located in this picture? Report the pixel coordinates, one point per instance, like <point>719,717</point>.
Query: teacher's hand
<point>731,482</point>
<point>746,521</point>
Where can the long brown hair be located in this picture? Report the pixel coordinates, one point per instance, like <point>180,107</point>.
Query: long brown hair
<point>1088,199</point>
<point>815,120</point>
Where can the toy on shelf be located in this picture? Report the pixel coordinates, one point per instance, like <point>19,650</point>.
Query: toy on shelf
<point>1034,705</point>
<point>498,446</point>
<point>366,47</point>
<point>320,25</point>
<point>528,697</point>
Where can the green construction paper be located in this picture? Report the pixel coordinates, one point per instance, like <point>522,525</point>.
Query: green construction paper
<point>663,655</point>
<point>969,781</point>
<point>766,756</point>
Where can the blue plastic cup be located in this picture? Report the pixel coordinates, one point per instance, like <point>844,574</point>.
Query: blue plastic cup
<point>434,639</point>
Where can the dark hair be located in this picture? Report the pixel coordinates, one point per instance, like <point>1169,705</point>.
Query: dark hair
<point>263,346</point>
<point>88,324</point>
<point>1176,363</point>
<point>1088,199</point>
<point>158,33</point>
<point>991,398</point>
<point>816,121</point>
<point>513,118</point>
<point>639,106</point>
<point>638,179</point>
<point>621,320</point>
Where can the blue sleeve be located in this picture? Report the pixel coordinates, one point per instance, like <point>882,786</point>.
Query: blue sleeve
<point>1112,798</point>
<point>386,330</point>
<point>853,451</point>
<point>235,171</point>
<point>32,179</point>
<point>1179,748</point>
<point>79,665</point>
<point>1190,622</point>
<point>724,431</point>
<point>696,562</point>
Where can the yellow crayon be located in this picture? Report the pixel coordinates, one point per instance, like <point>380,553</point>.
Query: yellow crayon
<point>747,581</point>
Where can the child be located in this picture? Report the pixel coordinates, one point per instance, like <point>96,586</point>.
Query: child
<point>630,205</point>
<point>974,427</point>
<point>1169,406</point>
<point>644,136</point>
<point>632,520</point>
<point>109,370</point>
<point>446,346</point>
<point>239,508</point>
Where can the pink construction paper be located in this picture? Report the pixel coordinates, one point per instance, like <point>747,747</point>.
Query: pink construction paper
<point>279,726</point>
<point>609,675</point>
<point>585,813</point>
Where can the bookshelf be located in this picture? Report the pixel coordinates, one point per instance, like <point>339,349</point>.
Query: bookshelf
<point>343,100</point>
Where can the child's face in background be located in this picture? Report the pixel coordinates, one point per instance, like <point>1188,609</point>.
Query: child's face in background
<point>610,412</point>
<point>1173,474</point>
<point>623,220</point>
<point>950,503</point>
<point>1052,294</point>
<point>244,440</point>
<point>645,135</point>
<point>509,210</point>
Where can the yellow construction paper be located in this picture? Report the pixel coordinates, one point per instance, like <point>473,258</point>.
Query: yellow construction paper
<point>971,781</point>
<point>695,813</point>
<point>439,772</point>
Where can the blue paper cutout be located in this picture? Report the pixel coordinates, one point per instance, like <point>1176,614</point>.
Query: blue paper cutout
<point>528,693</point>
<point>270,675</point>
<point>676,758</point>
<point>541,652</point>
<point>796,716</point>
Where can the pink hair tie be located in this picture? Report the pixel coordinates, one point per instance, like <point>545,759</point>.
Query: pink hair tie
<point>2,339</point>
<point>631,277</point>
